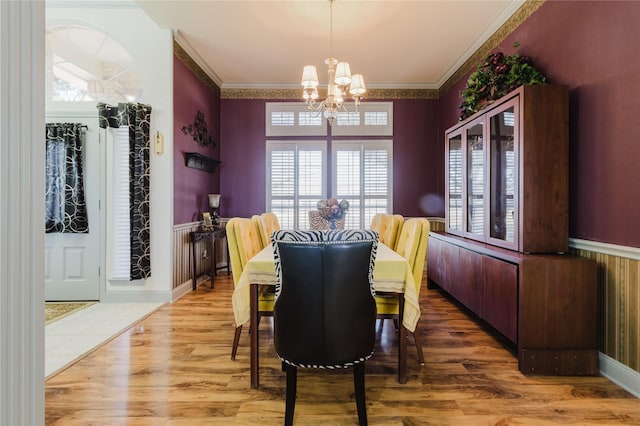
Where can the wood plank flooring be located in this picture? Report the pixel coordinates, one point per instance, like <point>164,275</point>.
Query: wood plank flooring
<point>174,368</point>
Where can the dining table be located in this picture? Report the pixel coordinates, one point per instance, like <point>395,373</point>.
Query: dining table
<point>392,274</point>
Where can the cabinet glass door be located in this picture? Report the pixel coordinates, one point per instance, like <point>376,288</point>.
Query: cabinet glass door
<point>475,179</point>
<point>503,168</point>
<point>454,183</point>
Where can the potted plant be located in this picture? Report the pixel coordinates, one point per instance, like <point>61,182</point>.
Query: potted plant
<point>495,77</point>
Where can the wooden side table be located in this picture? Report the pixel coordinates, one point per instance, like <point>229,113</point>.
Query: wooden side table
<point>211,237</point>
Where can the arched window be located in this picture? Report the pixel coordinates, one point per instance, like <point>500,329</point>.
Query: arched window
<point>85,65</point>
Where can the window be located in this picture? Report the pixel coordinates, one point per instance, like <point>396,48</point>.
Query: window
<point>297,174</point>
<point>363,176</point>
<point>372,119</point>
<point>83,64</point>
<point>293,119</point>
<point>296,180</point>
<point>120,267</point>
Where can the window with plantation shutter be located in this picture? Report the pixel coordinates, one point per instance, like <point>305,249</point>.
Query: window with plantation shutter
<point>362,176</point>
<point>296,180</point>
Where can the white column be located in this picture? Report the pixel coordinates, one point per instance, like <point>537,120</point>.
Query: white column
<point>22,26</point>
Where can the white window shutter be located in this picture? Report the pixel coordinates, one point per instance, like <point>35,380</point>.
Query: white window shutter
<point>121,250</point>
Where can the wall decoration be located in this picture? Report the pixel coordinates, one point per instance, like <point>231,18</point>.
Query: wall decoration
<point>199,131</point>
<point>198,161</point>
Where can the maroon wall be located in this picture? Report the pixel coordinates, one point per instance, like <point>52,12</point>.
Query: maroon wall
<point>191,186</point>
<point>594,48</point>
<point>418,182</point>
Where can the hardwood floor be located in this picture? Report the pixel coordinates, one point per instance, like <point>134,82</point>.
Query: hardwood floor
<point>174,368</point>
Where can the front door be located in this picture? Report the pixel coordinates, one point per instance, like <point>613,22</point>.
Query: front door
<point>73,261</point>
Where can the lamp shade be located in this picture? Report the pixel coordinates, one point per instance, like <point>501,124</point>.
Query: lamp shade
<point>214,201</point>
<point>343,74</point>
<point>357,85</point>
<point>309,76</point>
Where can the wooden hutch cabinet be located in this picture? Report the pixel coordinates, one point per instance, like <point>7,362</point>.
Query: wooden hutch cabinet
<point>503,254</point>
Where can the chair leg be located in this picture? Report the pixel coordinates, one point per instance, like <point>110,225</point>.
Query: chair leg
<point>416,339</point>
<point>361,402</point>
<point>236,339</point>
<point>292,375</point>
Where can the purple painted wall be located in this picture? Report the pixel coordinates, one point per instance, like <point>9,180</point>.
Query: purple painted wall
<point>191,186</point>
<point>242,179</point>
<point>418,185</point>
<point>594,48</point>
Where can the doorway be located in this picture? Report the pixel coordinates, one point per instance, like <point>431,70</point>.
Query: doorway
<point>74,261</point>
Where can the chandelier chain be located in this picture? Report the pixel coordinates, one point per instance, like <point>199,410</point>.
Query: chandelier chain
<point>331,27</point>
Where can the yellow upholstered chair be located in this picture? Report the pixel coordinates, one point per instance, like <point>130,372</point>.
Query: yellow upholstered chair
<point>388,227</point>
<point>244,242</point>
<point>412,245</point>
<point>267,224</point>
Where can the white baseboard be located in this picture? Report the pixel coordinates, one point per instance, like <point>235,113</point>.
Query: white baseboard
<point>623,376</point>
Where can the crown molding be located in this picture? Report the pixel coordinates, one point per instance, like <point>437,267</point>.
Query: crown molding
<point>188,55</point>
<point>188,61</point>
<point>518,17</point>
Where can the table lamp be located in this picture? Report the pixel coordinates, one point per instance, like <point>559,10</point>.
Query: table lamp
<point>214,205</point>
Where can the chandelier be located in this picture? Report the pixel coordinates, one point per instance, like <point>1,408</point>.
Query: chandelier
<point>340,80</point>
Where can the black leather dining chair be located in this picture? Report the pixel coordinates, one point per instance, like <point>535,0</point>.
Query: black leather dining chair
<point>324,311</point>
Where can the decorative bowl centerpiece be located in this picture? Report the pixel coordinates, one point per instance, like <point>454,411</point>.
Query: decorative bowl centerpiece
<point>332,210</point>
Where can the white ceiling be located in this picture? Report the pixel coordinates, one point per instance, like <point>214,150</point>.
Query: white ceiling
<point>394,43</point>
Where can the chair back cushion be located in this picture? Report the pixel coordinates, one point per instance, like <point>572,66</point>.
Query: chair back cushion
<point>325,311</point>
<point>267,224</point>
<point>388,226</point>
<point>234,253</point>
<point>249,242</point>
<point>244,242</point>
<point>412,245</point>
<point>262,229</point>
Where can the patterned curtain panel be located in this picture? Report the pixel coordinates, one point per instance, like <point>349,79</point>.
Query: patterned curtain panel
<point>138,118</point>
<point>65,207</point>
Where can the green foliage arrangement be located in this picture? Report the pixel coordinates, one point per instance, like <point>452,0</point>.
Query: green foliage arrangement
<point>497,76</point>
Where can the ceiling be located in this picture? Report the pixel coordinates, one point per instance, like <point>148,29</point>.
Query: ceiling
<point>393,43</point>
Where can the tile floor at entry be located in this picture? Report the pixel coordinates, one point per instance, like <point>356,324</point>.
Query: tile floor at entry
<point>69,338</point>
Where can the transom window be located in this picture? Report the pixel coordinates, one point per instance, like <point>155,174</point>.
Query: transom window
<point>85,65</point>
